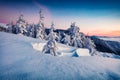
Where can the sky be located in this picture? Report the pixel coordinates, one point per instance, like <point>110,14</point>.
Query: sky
<point>94,17</point>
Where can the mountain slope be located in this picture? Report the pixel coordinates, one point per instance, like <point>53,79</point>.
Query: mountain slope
<point>106,45</point>
<point>18,60</point>
<point>110,38</point>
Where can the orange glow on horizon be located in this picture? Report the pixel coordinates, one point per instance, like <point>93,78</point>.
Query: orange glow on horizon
<point>103,33</point>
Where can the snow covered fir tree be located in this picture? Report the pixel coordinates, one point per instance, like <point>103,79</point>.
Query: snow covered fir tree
<point>59,40</point>
<point>51,45</point>
<point>71,37</point>
<point>78,39</point>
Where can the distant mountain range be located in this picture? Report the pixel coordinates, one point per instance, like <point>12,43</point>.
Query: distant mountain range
<point>106,45</point>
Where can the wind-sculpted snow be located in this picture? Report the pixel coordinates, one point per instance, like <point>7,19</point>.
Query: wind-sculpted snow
<point>20,61</point>
<point>63,50</point>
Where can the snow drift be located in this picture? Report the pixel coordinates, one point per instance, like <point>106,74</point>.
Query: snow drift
<point>64,50</point>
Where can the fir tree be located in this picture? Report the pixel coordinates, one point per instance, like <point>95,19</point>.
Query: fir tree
<point>40,29</point>
<point>66,40</point>
<point>10,27</point>
<point>21,25</point>
<point>51,47</point>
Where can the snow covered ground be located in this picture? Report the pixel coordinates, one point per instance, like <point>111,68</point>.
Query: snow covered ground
<point>21,59</point>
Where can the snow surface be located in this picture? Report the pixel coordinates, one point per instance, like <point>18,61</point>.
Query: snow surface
<point>20,61</point>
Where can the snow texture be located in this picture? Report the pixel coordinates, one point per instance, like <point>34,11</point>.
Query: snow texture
<point>20,61</point>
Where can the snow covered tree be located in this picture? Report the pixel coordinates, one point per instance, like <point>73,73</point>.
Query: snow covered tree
<point>40,29</point>
<point>21,25</point>
<point>79,40</point>
<point>32,31</point>
<point>28,28</point>
<point>73,29</point>
<point>59,37</point>
<point>51,30</point>
<point>10,27</point>
<point>66,39</point>
<point>17,29</point>
<point>76,40</point>
<point>75,36</point>
<point>89,44</point>
<point>51,47</point>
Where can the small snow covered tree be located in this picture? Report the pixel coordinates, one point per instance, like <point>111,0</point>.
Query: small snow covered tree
<point>76,40</point>
<point>17,29</point>
<point>32,31</point>
<point>52,29</point>
<point>50,47</point>
<point>79,40</point>
<point>66,40</point>
<point>21,26</point>
<point>89,44</point>
<point>10,27</point>
<point>40,29</point>
<point>28,28</point>
<point>59,37</point>
<point>73,29</point>
<point>75,36</point>
<point>23,30</point>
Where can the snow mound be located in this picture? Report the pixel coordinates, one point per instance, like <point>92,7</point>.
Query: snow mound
<point>63,50</point>
<point>38,46</point>
<point>82,52</point>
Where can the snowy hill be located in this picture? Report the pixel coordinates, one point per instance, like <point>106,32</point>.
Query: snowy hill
<point>21,59</point>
